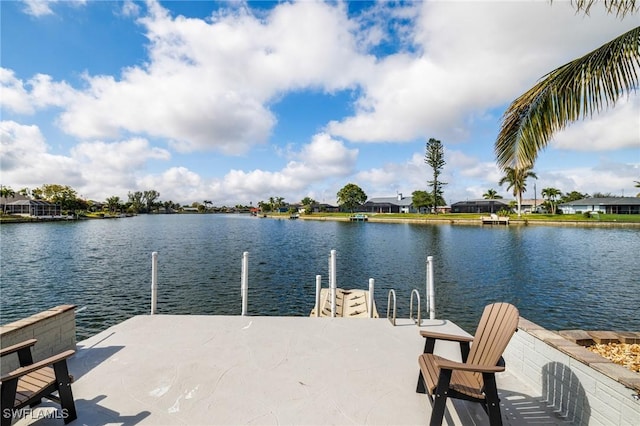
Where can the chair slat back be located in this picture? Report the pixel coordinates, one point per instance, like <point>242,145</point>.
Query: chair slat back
<point>498,323</point>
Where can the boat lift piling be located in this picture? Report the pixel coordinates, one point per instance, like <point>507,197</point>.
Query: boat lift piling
<point>371,287</point>
<point>431,294</point>
<point>332,281</point>
<point>154,282</point>
<point>244,284</point>
<point>318,290</point>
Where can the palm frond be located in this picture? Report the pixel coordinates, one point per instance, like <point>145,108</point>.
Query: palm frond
<point>575,90</point>
<point>620,7</point>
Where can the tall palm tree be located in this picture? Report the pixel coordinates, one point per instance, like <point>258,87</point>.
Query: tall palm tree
<point>517,180</point>
<point>551,195</point>
<point>491,194</point>
<point>575,90</point>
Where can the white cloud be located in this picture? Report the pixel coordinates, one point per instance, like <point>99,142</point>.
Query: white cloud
<point>323,158</point>
<point>38,92</point>
<point>207,85</point>
<point>38,8</point>
<point>471,57</point>
<point>26,161</point>
<point>14,96</point>
<point>615,128</point>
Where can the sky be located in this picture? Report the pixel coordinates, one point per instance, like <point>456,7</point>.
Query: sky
<point>237,102</point>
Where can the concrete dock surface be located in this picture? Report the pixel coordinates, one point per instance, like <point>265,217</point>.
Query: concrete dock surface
<point>243,370</point>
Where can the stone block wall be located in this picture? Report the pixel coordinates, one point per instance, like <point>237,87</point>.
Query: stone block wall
<point>55,330</point>
<point>580,386</point>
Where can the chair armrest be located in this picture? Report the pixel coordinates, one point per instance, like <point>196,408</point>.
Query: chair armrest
<point>15,348</point>
<point>443,336</point>
<point>446,364</point>
<point>19,372</point>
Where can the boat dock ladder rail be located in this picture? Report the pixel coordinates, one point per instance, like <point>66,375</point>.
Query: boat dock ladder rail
<point>417,320</point>
<point>392,296</point>
<point>391,307</point>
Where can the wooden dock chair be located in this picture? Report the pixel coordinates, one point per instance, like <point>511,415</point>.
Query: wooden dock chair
<point>473,379</point>
<point>27,385</point>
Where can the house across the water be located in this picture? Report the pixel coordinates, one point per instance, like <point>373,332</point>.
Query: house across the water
<point>608,205</point>
<point>479,206</point>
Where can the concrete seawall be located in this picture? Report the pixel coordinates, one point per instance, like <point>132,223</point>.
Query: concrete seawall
<point>55,330</point>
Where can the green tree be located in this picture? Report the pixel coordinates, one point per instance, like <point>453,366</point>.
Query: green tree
<point>207,204</point>
<point>421,199</point>
<point>434,157</point>
<point>604,195</point>
<point>491,194</point>
<point>351,196</point>
<point>551,195</point>
<point>63,195</point>
<point>575,90</point>
<point>308,203</point>
<point>517,181</point>
<point>6,192</point>
<point>264,206</point>
<point>279,202</point>
<point>149,198</point>
<point>573,196</point>
<point>113,204</point>
<point>637,186</point>
<point>135,198</point>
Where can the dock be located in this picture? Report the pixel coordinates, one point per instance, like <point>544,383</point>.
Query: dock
<point>233,370</point>
<point>358,218</point>
<point>494,219</point>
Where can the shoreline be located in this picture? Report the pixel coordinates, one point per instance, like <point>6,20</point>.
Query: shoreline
<point>383,218</point>
<point>474,222</point>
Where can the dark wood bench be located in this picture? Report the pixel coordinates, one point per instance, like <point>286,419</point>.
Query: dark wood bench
<point>28,384</point>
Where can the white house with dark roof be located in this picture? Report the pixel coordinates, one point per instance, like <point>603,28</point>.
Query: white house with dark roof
<point>397,204</point>
<point>608,205</point>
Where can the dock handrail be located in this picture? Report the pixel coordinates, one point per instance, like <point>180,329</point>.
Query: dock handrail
<point>417,320</point>
<point>391,293</point>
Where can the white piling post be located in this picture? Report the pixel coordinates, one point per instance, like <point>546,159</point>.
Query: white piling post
<point>244,286</point>
<point>154,282</point>
<point>332,281</point>
<point>431,293</point>
<point>371,286</point>
<point>318,290</point>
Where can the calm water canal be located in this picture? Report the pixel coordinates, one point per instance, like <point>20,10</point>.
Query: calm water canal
<point>559,277</point>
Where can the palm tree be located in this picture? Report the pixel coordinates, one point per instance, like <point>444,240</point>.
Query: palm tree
<point>6,192</point>
<point>491,194</point>
<point>517,180</point>
<point>575,90</point>
<point>551,195</point>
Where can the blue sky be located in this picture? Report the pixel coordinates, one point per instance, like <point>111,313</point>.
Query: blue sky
<point>236,102</point>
